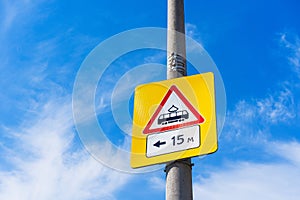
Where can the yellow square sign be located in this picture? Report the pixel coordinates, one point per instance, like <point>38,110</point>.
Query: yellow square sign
<point>173,119</point>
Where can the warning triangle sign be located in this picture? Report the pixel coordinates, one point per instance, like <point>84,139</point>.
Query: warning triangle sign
<point>174,112</point>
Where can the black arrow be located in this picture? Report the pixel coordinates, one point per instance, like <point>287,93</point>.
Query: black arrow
<point>158,143</point>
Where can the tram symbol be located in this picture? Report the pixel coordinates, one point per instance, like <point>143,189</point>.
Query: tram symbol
<point>173,116</point>
<point>174,111</point>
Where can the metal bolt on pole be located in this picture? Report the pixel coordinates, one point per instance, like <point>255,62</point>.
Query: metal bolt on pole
<point>179,172</point>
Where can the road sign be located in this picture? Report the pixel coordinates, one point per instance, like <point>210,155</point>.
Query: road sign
<point>174,111</point>
<point>173,119</point>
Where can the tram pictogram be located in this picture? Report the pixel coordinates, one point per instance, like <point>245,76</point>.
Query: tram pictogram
<point>173,116</point>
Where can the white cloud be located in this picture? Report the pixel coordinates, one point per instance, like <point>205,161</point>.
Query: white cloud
<point>10,13</point>
<point>249,120</point>
<point>292,44</point>
<point>42,161</point>
<point>289,151</point>
<point>157,183</point>
<point>279,107</point>
<point>255,181</point>
<point>13,10</point>
<point>275,180</point>
<point>191,30</point>
<point>249,125</point>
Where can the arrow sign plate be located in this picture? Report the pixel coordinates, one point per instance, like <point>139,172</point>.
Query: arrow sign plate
<point>173,141</point>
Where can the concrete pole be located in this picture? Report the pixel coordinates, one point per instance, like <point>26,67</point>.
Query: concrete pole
<point>176,40</point>
<point>179,172</point>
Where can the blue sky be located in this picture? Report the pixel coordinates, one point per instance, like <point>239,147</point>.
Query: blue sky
<point>255,45</point>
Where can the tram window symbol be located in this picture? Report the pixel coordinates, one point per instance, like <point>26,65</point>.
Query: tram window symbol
<point>173,116</point>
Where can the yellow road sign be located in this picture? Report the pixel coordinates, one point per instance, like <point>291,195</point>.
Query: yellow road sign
<point>173,119</point>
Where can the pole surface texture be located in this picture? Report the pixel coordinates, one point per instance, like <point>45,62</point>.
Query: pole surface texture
<point>179,172</point>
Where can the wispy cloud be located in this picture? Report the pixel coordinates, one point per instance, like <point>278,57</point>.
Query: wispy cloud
<point>191,30</point>
<point>13,11</point>
<point>157,183</point>
<point>279,107</point>
<point>9,14</point>
<point>45,163</point>
<point>250,119</point>
<point>289,151</point>
<point>291,42</point>
<point>246,180</point>
<point>277,179</point>
<point>249,126</point>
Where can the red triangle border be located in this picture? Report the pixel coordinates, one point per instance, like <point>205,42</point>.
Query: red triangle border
<point>173,88</point>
